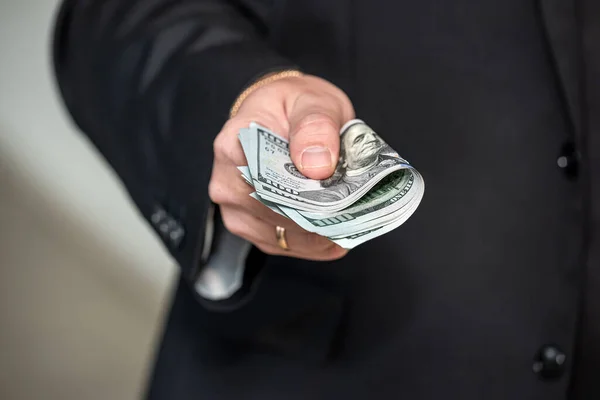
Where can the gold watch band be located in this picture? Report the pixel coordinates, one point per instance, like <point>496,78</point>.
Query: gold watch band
<point>260,83</point>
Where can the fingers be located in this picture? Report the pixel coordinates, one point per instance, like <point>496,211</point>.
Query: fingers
<point>310,111</point>
<point>227,148</point>
<point>301,244</point>
<point>315,143</point>
<point>315,120</point>
<point>315,123</point>
<point>250,219</point>
<point>228,189</point>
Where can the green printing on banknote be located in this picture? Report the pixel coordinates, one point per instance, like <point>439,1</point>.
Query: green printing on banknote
<point>372,191</point>
<point>375,199</point>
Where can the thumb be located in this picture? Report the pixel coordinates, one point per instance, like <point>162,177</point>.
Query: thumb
<point>315,142</point>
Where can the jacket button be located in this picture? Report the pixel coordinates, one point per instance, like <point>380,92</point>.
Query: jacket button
<point>549,362</point>
<point>157,216</point>
<point>169,229</point>
<point>176,235</point>
<point>568,160</point>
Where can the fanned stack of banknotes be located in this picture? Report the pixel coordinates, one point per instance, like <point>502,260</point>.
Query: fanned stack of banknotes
<point>372,191</point>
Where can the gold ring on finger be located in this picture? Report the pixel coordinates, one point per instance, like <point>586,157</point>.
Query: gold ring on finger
<point>280,235</point>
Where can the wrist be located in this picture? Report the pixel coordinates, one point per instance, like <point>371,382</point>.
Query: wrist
<point>262,81</point>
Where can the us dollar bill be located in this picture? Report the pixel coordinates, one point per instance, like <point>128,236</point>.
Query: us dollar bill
<point>351,240</point>
<point>372,191</point>
<point>364,160</point>
<point>387,200</point>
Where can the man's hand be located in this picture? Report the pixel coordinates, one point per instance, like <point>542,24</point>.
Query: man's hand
<point>310,112</point>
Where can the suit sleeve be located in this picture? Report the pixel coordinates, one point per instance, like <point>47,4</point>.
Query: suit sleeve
<point>151,82</point>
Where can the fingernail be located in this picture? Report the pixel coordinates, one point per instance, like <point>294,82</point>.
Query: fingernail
<point>316,157</point>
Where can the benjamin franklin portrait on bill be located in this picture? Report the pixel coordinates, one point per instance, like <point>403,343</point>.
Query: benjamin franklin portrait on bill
<point>363,154</point>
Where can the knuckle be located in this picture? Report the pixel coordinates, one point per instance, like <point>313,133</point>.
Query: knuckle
<point>228,150</point>
<point>213,191</point>
<point>236,155</point>
<point>229,125</point>
<point>219,146</point>
<point>217,192</point>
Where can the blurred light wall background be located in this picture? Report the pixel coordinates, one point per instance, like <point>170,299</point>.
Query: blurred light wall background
<point>84,284</point>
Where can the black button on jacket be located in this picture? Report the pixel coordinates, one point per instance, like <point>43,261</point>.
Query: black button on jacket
<point>490,291</point>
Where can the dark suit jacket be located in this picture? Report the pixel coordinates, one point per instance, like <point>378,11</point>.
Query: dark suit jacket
<point>490,291</point>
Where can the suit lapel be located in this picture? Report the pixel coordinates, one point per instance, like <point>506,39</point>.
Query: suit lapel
<point>561,28</point>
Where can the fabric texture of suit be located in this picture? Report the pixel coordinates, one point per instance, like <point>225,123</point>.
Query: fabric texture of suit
<point>501,261</point>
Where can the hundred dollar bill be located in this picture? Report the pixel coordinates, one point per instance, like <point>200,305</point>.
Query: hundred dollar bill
<point>372,191</point>
<point>364,160</point>
<point>352,240</point>
<point>383,202</point>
